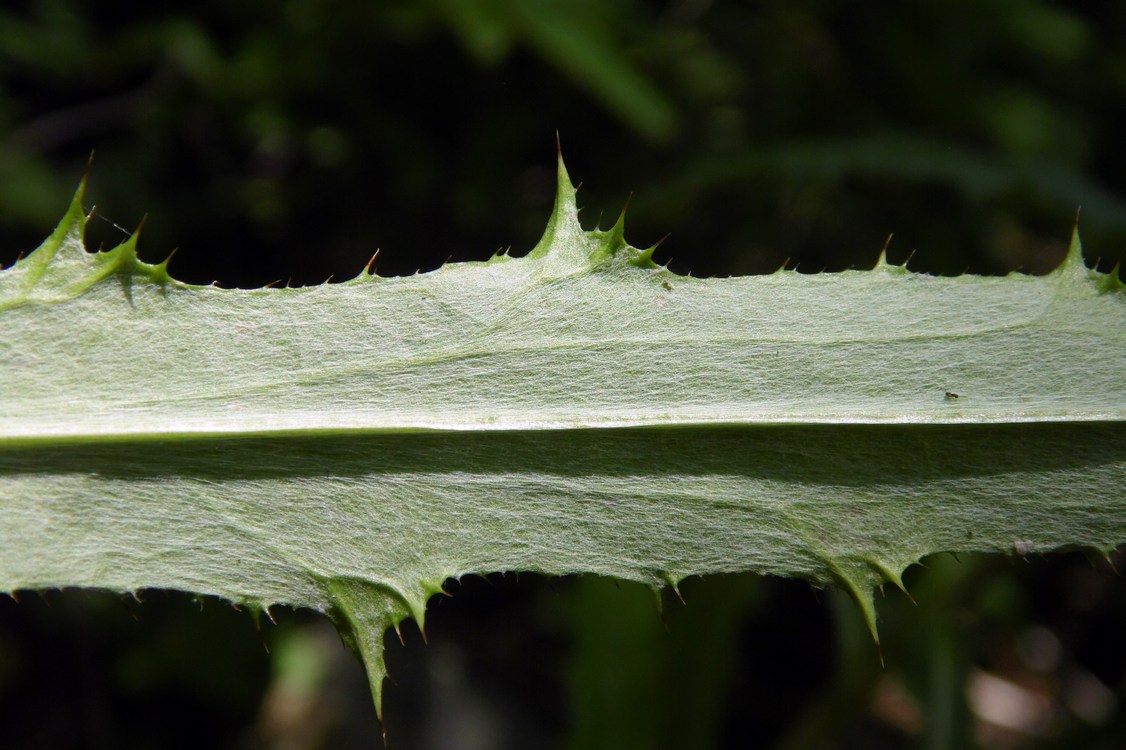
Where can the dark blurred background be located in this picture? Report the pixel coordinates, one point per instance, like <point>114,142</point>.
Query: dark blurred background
<point>288,141</point>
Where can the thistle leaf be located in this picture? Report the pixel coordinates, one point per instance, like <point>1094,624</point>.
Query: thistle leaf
<point>350,447</point>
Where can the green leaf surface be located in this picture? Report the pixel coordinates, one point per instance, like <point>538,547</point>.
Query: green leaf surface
<point>350,447</point>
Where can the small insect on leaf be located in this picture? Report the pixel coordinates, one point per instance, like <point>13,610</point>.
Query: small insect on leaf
<point>952,396</point>
<point>1022,547</point>
<point>667,286</point>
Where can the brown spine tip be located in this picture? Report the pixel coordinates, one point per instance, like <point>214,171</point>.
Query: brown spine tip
<point>369,269</point>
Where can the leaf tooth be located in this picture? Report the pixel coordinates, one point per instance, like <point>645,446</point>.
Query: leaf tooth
<point>1109,282</point>
<point>563,223</point>
<point>615,237</point>
<point>861,592</point>
<point>646,254</point>
<point>1105,554</point>
<point>642,257</point>
<point>889,574</point>
<point>882,261</point>
<point>255,611</point>
<point>1073,265</point>
<point>363,611</point>
<point>417,604</point>
<point>565,189</point>
<point>128,249</point>
<point>121,259</point>
<point>369,269</point>
<point>610,242</point>
<point>886,266</point>
<point>367,273</point>
<point>159,272</point>
<point>673,582</point>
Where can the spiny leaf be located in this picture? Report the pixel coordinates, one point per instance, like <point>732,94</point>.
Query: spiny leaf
<point>349,447</point>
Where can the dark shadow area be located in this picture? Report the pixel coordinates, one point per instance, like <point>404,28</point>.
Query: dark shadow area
<point>880,454</point>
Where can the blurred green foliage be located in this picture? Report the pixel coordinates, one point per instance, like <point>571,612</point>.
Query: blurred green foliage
<point>274,140</point>
<point>291,140</point>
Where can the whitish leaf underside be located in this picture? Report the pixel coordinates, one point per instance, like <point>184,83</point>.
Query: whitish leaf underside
<point>349,447</point>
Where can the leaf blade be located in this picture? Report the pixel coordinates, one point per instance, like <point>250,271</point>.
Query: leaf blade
<point>349,447</point>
